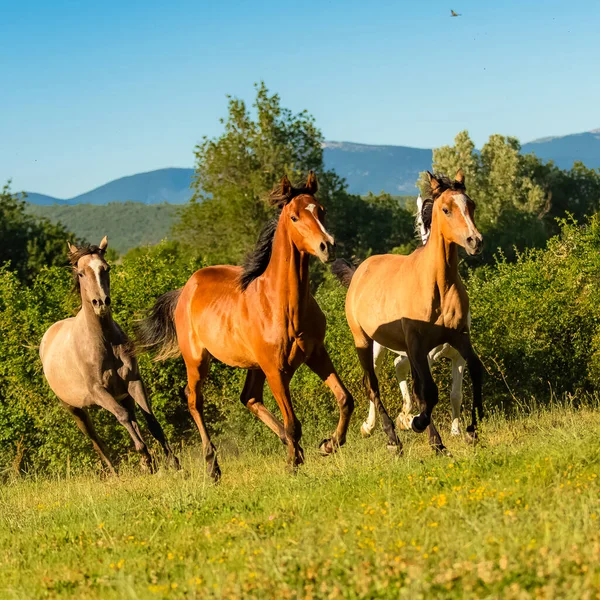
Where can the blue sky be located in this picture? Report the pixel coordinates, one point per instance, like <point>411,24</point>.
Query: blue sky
<point>92,91</point>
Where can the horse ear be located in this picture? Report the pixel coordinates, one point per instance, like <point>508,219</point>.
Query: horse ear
<point>433,182</point>
<point>286,187</point>
<point>72,248</point>
<point>460,177</point>
<point>104,243</point>
<point>311,183</point>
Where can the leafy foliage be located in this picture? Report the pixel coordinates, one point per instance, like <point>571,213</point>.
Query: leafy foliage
<point>235,173</point>
<point>518,196</point>
<point>28,243</point>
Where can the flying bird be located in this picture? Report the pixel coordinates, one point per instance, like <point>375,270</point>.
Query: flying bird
<point>454,14</point>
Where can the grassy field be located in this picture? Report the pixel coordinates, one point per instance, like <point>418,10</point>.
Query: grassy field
<point>515,517</point>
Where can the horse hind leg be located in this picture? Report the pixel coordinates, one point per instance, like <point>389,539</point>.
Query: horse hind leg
<point>365,357</point>
<point>379,354</point>
<point>458,369</point>
<point>197,371</point>
<point>84,422</point>
<point>137,391</point>
<point>252,399</point>
<point>402,366</point>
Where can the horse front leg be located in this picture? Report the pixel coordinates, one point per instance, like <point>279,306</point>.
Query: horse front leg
<point>426,393</point>
<point>320,363</point>
<point>137,391</point>
<point>464,346</point>
<point>279,382</point>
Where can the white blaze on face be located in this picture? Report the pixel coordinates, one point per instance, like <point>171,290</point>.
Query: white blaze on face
<point>461,201</point>
<point>96,265</point>
<point>311,208</point>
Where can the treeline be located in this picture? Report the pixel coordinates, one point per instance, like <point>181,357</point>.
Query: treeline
<point>127,224</point>
<point>535,304</point>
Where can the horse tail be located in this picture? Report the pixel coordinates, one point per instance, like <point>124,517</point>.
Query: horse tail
<point>156,333</point>
<point>343,270</point>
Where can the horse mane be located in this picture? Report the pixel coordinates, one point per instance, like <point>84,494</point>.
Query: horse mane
<point>445,183</point>
<point>257,261</point>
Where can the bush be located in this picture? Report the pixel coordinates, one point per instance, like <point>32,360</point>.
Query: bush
<point>536,326</point>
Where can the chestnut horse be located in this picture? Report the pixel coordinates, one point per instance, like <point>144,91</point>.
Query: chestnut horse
<point>88,360</point>
<point>417,302</point>
<point>260,317</point>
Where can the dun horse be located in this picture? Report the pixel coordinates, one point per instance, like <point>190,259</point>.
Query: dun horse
<point>401,362</point>
<point>87,359</point>
<point>261,317</point>
<point>417,302</point>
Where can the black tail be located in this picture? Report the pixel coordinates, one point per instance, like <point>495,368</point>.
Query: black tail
<point>343,270</point>
<point>156,333</point>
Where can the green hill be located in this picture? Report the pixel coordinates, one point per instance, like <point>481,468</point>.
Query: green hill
<point>127,224</point>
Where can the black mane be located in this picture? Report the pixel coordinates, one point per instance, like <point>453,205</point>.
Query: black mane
<point>257,261</point>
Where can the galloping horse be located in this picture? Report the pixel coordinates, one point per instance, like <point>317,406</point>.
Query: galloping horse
<point>88,360</point>
<point>401,362</point>
<point>417,302</point>
<point>261,317</point>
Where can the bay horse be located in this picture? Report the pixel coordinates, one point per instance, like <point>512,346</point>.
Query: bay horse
<point>88,360</point>
<point>261,317</point>
<point>417,302</point>
<point>401,362</point>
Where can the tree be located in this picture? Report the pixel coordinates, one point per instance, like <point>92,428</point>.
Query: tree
<point>236,171</point>
<point>519,197</point>
<point>26,242</point>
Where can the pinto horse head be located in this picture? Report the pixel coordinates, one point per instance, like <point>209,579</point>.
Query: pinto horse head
<point>304,215</point>
<point>454,212</point>
<point>90,272</point>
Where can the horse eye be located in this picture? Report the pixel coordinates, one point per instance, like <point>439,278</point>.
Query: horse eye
<point>446,211</point>
<point>80,274</point>
<point>294,218</point>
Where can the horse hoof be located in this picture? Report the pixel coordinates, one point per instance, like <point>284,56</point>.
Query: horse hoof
<point>214,472</point>
<point>455,432</point>
<point>365,431</point>
<point>327,447</point>
<point>415,427</point>
<point>394,448</point>
<point>443,451</point>
<point>472,437</point>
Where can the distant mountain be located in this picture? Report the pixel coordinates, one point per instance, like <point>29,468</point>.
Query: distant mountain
<point>366,168</point>
<point>565,150</point>
<point>154,187</point>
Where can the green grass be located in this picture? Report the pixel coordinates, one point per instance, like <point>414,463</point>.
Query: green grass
<point>516,517</point>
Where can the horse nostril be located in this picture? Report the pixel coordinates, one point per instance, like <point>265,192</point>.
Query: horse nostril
<point>323,246</point>
<point>94,302</point>
<point>470,241</point>
<point>107,301</point>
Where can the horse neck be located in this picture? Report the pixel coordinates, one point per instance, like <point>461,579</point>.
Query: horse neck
<point>442,261</point>
<point>100,326</point>
<point>287,274</point>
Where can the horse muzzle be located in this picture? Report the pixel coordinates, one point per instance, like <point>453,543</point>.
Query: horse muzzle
<point>326,252</point>
<point>474,245</point>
